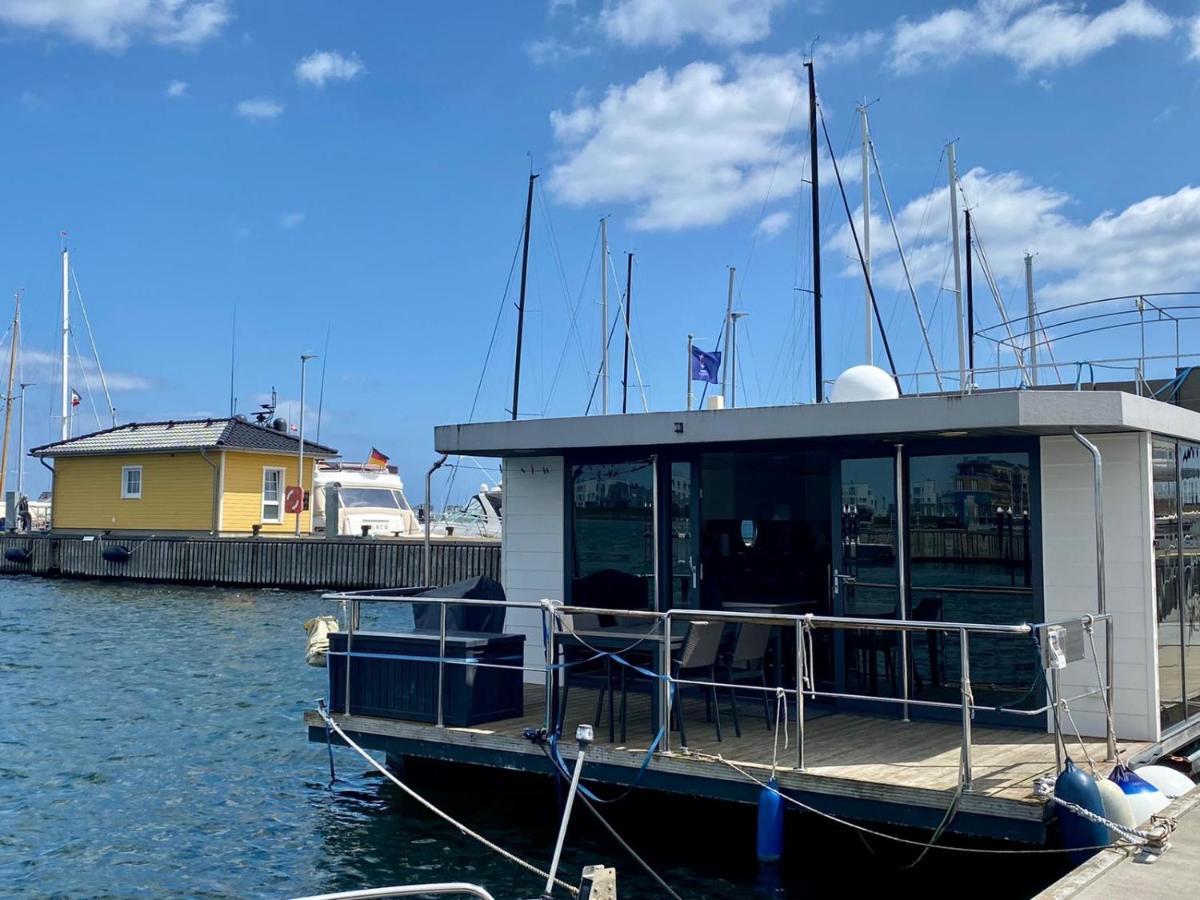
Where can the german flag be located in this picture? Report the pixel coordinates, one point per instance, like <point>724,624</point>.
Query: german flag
<point>377,459</point>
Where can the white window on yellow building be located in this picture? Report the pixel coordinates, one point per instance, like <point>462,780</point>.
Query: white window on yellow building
<point>131,482</point>
<point>272,495</point>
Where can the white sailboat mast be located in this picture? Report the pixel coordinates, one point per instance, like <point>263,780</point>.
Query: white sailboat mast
<point>66,334</point>
<point>958,294</point>
<point>604,316</point>
<point>866,230</point>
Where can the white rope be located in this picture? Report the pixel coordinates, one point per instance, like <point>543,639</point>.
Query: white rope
<point>1166,825</point>
<point>574,891</point>
<point>891,837</point>
<point>781,715</point>
<point>1078,737</point>
<point>1090,627</point>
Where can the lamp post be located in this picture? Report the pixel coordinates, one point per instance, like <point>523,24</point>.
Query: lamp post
<point>304,358</point>
<point>21,443</point>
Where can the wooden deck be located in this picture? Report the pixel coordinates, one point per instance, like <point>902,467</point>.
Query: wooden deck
<point>865,767</point>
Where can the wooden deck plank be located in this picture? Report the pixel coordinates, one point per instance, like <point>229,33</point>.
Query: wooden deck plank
<point>847,755</point>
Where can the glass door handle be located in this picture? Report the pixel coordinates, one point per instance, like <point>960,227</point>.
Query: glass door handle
<point>839,579</point>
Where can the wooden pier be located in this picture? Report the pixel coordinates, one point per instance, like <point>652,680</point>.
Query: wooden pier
<point>867,768</point>
<point>301,563</point>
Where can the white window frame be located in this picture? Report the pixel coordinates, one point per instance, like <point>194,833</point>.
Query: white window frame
<point>278,503</point>
<point>127,494</point>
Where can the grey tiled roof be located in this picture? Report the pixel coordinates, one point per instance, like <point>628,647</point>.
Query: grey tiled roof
<point>191,434</point>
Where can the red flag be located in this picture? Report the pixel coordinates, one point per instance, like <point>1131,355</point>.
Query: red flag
<point>75,398</point>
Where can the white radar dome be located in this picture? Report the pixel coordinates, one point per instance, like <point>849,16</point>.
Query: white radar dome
<point>863,383</point>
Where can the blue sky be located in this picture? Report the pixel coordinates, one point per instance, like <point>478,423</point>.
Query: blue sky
<point>365,165</point>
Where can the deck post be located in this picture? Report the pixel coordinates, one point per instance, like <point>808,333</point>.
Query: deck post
<point>901,584</point>
<point>664,682</point>
<point>441,662</point>
<point>967,703</point>
<point>351,624</point>
<point>799,694</point>
<point>548,631</point>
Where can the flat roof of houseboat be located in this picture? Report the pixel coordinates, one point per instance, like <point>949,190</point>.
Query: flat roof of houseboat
<point>1019,412</point>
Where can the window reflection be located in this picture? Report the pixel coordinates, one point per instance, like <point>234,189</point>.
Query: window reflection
<point>970,552</point>
<point>1167,587</point>
<point>1189,496</point>
<point>612,564</point>
<point>683,563</point>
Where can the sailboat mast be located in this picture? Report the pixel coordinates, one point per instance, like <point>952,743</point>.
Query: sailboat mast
<point>628,333</point>
<point>970,301</point>
<point>818,378</point>
<point>604,316</point>
<point>866,241</point>
<point>958,293</point>
<point>8,399</point>
<point>521,302</point>
<point>725,358</point>
<point>66,351</point>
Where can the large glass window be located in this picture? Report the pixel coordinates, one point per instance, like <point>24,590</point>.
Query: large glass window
<point>612,535</point>
<point>1168,589</point>
<point>1189,498</point>
<point>272,495</point>
<point>869,563</point>
<point>969,546</point>
<point>765,528</point>
<point>684,566</point>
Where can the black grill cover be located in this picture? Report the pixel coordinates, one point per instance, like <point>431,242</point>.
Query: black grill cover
<point>486,619</point>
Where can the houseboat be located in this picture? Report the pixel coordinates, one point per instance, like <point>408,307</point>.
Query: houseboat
<point>936,597</point>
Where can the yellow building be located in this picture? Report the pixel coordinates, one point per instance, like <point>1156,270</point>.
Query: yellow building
<point>202,476</point>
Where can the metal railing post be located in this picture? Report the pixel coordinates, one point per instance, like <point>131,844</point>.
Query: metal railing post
<point>1101,597</point>
<point>664,682</point>
<point>351,624</point>
<point>548,630</point>
<point>441,662</point>
<point>901,582</point>
<point>800,667</point>
<point>964,646</point>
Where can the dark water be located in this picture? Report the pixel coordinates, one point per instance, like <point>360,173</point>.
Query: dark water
<point>151,745</point>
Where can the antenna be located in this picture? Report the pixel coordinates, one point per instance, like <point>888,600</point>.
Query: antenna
<point>232,363</point>
<point>324,363</point>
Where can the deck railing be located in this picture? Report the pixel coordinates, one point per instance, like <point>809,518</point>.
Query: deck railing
<point>556,620</point>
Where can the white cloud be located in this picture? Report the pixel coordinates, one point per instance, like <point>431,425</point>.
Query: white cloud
<point>323,66</point>
<point>549,51</point>
<point>848,49</point>
<point>772,224</point>
<point>725,23</point>
<point>1029,33</point>
<point>44,368</point>
<point>33,101</point>
<point>115,24</point>
<point>1151,245</point>
<point>259,109</point>
<point>290,220</point>
<point>1194,34</point>
<point>692,148</point>
<point>176,89</point>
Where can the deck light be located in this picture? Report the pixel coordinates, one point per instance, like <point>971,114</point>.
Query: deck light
<point>952,434</point>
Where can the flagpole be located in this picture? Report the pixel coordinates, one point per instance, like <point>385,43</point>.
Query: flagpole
<point>690,398</point>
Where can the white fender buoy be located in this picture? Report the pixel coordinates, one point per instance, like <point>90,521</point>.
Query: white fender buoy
<point>1116,805</point>
<point>1171,782</point>
<point>1145,800</point>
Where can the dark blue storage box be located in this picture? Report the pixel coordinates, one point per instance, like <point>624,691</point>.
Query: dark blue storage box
<point>407,688</point>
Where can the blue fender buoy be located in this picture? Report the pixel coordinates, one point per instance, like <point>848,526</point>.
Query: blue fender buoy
<point>1145,800</point>
<point>1078,787</point>
<point>770,823</point>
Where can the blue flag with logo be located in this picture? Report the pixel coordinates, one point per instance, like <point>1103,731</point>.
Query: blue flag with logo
<point>705,365</point>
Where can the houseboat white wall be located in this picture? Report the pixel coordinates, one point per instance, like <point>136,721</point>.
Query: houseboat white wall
<point>531,556</point>
<point>1069,571</point>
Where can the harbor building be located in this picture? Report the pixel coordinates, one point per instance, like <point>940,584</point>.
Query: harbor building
<point>218,476</point>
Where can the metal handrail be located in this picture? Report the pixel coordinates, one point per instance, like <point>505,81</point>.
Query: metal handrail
<point>411,890</point>
<point>801,623</point>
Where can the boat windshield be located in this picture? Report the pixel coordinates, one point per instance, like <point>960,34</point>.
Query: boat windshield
<point>370,498</point>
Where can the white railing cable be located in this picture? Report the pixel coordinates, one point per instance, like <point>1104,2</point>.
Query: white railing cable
<point>383,770</point>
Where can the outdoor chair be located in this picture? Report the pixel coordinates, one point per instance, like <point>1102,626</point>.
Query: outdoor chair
<point>747,662</point>
<point>698,659</point>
